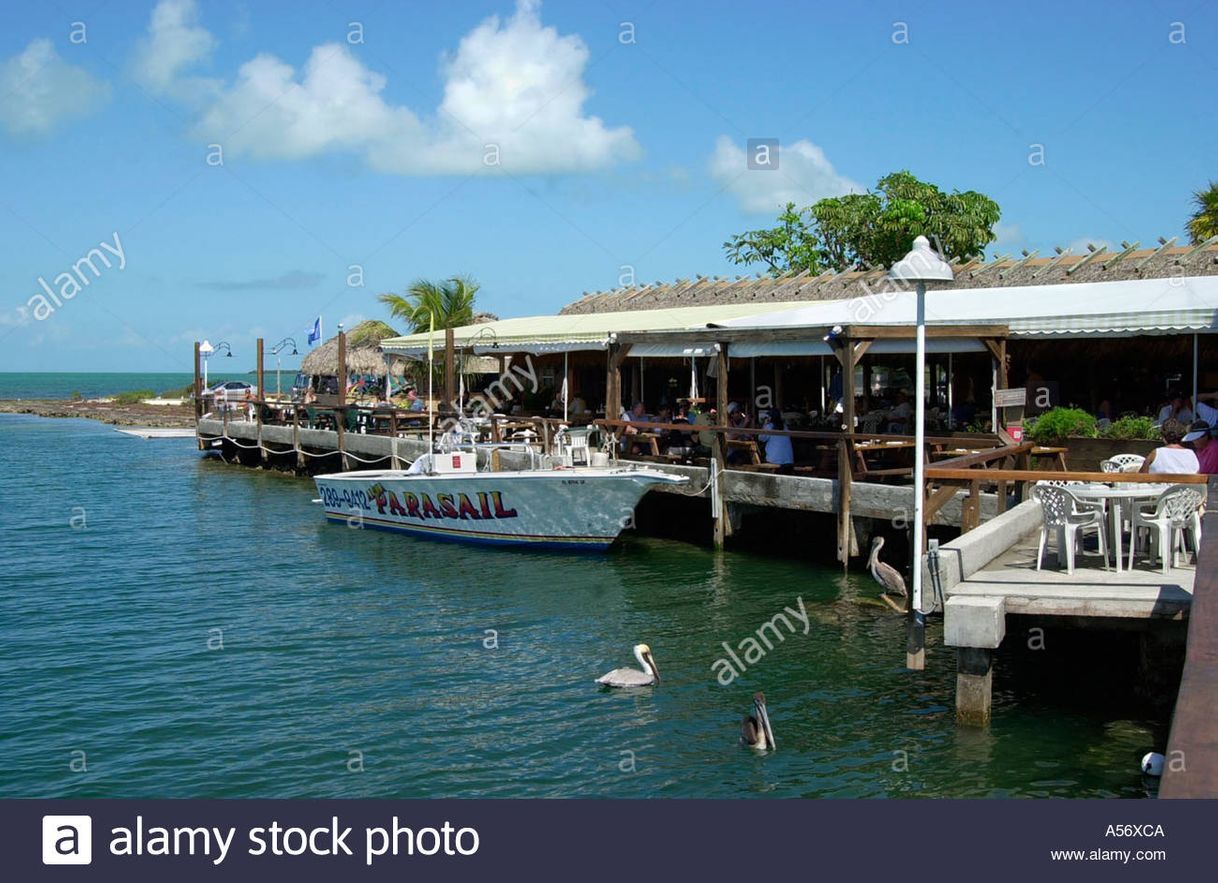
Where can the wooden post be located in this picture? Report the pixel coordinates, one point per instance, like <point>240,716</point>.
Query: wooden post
<point>613,380</point>
<point>450,369</point>
<point>340,422</point>
<point>846,356</point>
<point>844,477</point>
<point>974,685</point>
<point>722,523</point>
<point>721,366</point>
<point>259,400</point>
<point>300,457</point>
<point>198,386</point>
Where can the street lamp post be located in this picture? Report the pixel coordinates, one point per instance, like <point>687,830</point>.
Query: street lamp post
<point>276,350</point>
<point>206,350</point>
<point>920,266</point>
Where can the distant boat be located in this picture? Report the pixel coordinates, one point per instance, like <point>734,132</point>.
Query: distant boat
<point>582,508</point>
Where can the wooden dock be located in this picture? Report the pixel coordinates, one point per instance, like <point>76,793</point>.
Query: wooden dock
<point>1191,759</point>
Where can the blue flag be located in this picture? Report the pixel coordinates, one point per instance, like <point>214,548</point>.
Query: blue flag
<point>315,331</point>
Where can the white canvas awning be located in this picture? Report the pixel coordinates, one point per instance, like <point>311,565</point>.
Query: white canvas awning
<point>1126,307</point>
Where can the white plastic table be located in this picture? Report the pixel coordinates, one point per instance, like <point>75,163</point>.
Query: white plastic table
<point>1115,498</point>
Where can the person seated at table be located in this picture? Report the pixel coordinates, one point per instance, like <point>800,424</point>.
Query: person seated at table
<point>1172,458</point>
<point>1177,408</point>
<point>778,448</point>
<point>1104,411</point>
<point>901,414</point>
<point>1200,438</point>
<point>413,402</point>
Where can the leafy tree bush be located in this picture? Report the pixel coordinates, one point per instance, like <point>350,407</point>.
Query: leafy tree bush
<point>1131,426</point>
<point>873,229</point>
<point>1060,423</point>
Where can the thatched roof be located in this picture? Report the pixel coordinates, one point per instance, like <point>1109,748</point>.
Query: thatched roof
<point>363,352</point>
<point>1101,265</point>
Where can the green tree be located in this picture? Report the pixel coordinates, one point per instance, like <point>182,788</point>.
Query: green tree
<point>1203,224</point>
<point>451,301</point>
<point>873,229</point>
<point>791,247</point>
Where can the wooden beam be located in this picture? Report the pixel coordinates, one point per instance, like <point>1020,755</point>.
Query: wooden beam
<point>907,332</point>
<point>450,369</point>
<point>340,415</point>
<point>996,475</point>
<point>198,385</point>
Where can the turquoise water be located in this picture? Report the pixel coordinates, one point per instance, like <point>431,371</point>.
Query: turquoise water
<point>63,385</point>
<point>338,641</point>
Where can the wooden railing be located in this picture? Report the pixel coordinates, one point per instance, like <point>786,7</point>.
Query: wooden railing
<point>944,481</point>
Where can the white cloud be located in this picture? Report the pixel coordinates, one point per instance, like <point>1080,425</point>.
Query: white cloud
<point>334,104</point>
<point>803,176</point>
<point>1079,246</point>
<point>1008,235</point>
<point>38,90</point>
<point>175,42</point>
<point>513,91</point>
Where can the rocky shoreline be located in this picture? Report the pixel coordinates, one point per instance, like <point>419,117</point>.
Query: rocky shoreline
<point>139,414</point>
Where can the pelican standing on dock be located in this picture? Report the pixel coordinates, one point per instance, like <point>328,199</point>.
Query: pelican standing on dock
<point>633,677</point>
<point>755,730</point>
<point>886,575</point>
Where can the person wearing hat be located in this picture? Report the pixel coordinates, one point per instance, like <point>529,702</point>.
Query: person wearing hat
<point>1172,458</point>
<point>1206,449</point>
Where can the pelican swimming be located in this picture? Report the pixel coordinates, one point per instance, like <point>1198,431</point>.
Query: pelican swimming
<point>632,677</point>
<point>886,575</point>
<point>755,730</point>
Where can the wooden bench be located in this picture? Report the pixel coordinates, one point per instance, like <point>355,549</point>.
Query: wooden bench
<point>749,446</point>
<point>649,440</point>
<point>1056,454</point>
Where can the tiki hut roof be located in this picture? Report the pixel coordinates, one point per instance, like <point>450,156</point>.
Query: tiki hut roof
<point>364,355</point>
<point>1095,264</point>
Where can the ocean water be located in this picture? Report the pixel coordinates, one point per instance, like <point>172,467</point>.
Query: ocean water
<point>173,626</point>
<point>65,384</point>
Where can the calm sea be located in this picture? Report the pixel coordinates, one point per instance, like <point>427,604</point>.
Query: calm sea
<point>65,385</point>
<point>351,663</point>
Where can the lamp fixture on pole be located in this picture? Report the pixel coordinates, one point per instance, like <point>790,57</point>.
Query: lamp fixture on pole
<point>276,350</point>
<point>920,266</point>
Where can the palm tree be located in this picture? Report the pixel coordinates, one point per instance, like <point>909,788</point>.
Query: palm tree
<point>1203,224</point>
<point>450,301</point>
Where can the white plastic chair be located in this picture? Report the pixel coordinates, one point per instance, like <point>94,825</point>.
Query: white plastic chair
<point>1175,510</point>
<point>1123,463</point>
<point>1068,517</point>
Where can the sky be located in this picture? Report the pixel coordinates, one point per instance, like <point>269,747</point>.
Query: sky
<point>229,169</point>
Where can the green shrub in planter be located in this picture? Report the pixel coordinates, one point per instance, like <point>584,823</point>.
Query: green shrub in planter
<point>1057,424</point>
<point>1131,426</point>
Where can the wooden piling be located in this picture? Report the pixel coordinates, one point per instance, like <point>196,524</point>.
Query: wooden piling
<point>259,399</point>
<point>340,422</point>
<point>974,685</point>
<point>845,477</point>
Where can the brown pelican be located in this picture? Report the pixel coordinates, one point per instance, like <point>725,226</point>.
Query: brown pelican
<point>755,731</point>
<point>886,575</point>
<point>632,677</point>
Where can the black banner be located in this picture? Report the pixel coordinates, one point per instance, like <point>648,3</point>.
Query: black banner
<point>604,840</point>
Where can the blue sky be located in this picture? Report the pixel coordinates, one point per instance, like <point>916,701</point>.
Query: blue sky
<point>544,149</point>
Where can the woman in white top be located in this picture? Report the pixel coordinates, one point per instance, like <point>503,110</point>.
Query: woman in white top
<point>1173,458</point>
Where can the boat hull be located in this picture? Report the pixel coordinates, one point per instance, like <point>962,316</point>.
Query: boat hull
<point>577,509</point>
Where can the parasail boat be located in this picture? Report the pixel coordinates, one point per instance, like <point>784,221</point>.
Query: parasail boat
<point>445,497</point>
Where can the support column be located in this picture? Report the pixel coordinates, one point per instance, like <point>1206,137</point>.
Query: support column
<point>450,368</point>
<point>259,399</point>
<point>974,685</point>
<point>341,421</point>
<point>198,385</point>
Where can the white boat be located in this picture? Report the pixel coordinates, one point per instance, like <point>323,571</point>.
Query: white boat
<point>583,507</point>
